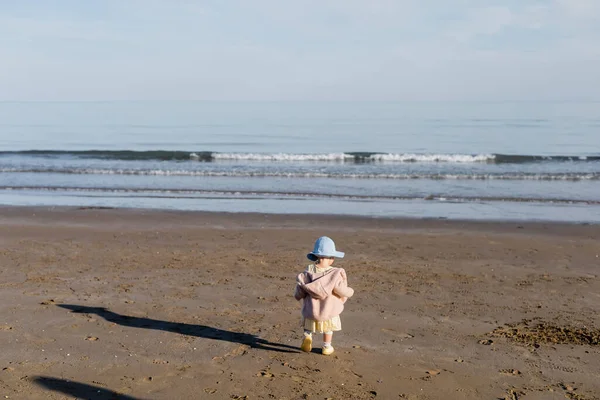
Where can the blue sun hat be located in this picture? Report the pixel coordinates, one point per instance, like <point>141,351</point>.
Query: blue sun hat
<point>324,247</point>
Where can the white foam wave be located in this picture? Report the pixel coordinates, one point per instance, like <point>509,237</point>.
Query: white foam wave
<point>341,157</point>
<point>594,176</point>
<point>449,158</point>
<point>282,157</point>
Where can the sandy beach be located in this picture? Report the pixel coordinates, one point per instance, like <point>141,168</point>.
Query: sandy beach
<point>133,304</point>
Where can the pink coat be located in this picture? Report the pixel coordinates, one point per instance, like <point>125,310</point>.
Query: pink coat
<point>324,293</point>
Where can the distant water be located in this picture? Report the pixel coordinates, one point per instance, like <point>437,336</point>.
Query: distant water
<point>504,161</point>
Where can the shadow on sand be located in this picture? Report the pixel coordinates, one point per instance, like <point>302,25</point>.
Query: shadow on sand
<point>79,390</point>
<point>202,331</point>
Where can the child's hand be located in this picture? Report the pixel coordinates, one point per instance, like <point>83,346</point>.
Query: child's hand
<point>299,293</point>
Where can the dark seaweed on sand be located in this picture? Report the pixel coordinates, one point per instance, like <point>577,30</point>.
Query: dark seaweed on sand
<point>547,333</point>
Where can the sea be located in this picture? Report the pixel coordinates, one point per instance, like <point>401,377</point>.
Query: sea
<point>509,161</point>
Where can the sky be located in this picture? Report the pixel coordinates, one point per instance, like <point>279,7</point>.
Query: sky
<point>303,50</point>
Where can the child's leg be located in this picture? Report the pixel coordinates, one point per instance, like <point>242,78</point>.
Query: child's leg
<point>327,338</point>
<point>307,341</point>
<point>327,347</point>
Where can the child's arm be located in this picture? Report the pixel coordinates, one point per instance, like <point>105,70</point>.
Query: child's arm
<point>342,289</point>
<point>299,293</point>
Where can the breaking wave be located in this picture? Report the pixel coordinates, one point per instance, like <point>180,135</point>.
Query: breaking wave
<point>346,157</point>
<point>517,176</point>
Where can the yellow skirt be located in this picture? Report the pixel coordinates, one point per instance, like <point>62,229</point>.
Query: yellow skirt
<point>331,325</point>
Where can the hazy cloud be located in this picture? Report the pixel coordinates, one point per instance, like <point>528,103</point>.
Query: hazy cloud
<point>274,50</point>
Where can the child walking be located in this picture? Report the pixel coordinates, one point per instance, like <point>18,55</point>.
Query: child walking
<point>324,290</point>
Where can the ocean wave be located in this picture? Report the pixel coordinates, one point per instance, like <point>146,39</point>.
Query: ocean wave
<point>283,157</point>
<point>574,176</point>
<point>182,193</point>
<point>358,157</point>
<point>346,157</point>
<point>124,155</point>
<point>430,158</point>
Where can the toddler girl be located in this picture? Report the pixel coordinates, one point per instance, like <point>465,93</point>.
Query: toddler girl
<point>324,290</point>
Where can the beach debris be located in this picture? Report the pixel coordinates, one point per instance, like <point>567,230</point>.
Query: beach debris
<point>356,374</point>
<point>265,374</point>
<point>48,302</point>
<point>434,372</point>
<point>400,335</point>
<point>486,342</point>
<point>576,396</point>
<point>571,394</point>
<point>236,397</point>
<point>545,333</point>
<point>568,388</point>
<point>356,346</point>
<point>91,338</point>
<point>513,395</point>
<point>210,390</point>
<point>125,287</point>
<point>510,371</point>
<point>459,360</point>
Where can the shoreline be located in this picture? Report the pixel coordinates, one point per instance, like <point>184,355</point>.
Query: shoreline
<point>84,213</point>
<point>424,208</point>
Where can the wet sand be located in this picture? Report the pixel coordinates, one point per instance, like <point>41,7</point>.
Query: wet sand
<point>103,304</point>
